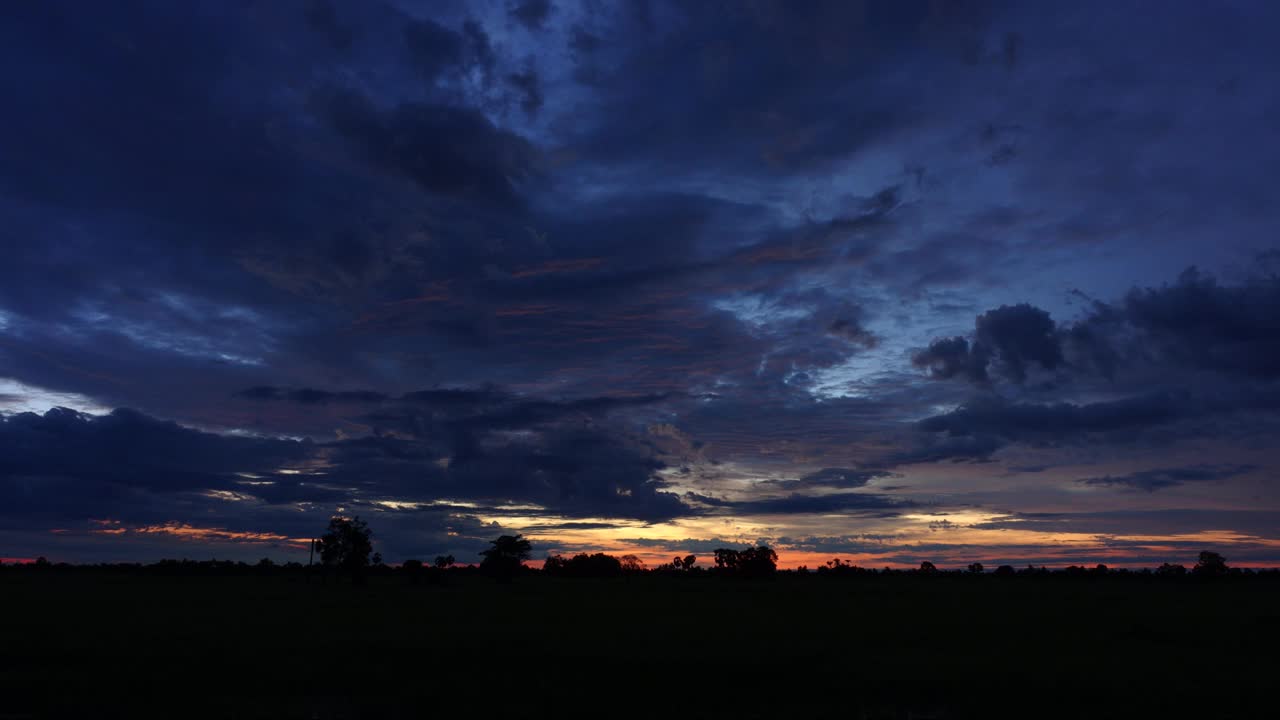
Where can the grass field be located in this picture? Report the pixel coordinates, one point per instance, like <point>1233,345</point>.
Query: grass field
<point>91,644</point>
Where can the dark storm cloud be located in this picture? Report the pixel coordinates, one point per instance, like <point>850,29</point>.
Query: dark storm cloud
<point>1195,323</point>
<point>311,396</point>
<point>859,504</point>
<point>843,478</point>
<point>531,13</point>
<point>132,449</point>
<point>946,358</point>
<point>322,16</point>
<point>853,331</point>
<point>121,464</point>
<point>1201,324</point>
<point>1263,523</point>
<point>1017,336</point>
<point>66,466</point>
<point>530,88</point>
<point>434,48</point>
<point>447,150</point>
<point>1009,337</point>
<point>764,85</point>
<point>1152,480</point>
<point>998,417</point>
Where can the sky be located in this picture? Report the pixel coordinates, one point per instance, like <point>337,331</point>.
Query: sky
<point>888,282</point>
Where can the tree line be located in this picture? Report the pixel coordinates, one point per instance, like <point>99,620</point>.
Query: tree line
<point>346,550</point>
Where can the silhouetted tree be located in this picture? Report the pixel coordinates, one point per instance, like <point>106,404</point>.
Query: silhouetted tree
<point>975,568</point>
<point>632,564</point>
<point>685,563</point>
<point>506,557</point>
<point>554,565</point>
<point>346,546</point>
<point>928,568</point>
<point>759,561</point>
<point>1210,564</point>
<point>1005,570</point>
<point>1168,570</point>
<point>726,559</point>
<point>678,564</point>
<point>583,565</point>
<point>444,562</point>
<point>412,570</point>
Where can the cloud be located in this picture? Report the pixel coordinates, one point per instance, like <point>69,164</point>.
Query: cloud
<point>852,331</point>
<point>850,503</point>
<point>73,465</point>
<point>310,396</point>
<point>574,222</point>
<point>844,478</point>
<point>947,358</point>
<point>1172,521</point>
<point>434,48</point>
<point>531,13</point>
<point>529,86</point>
<point>1200,324</point>
<point>446,150</point>
<point>998,417</point>
<point>1159,479</point>
<point>1010,338</point>
<point>1193,324</point>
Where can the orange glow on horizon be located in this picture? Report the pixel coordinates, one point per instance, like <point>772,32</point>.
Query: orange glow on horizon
<point>184,531</point>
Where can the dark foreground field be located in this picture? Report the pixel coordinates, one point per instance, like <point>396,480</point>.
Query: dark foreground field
<point>113,644</point>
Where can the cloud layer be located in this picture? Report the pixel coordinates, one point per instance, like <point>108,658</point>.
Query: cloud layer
<point>842,276</point>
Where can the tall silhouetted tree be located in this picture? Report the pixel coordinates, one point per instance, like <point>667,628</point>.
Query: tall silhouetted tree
<point>346,546</point>
<point>505,558</point>
<point>975,568</point>
<point>444,562</point>
<point>1210,564</point>
<point>927,567</point>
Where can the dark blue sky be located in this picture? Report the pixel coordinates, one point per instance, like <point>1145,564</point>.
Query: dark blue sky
<point>889,281</point>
